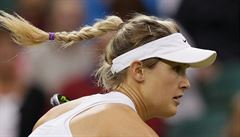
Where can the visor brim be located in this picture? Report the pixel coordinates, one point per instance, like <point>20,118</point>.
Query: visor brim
<point>195,57</point>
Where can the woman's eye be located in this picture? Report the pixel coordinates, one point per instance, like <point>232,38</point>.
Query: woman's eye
<point>179,69</point>
<point>176,68</point>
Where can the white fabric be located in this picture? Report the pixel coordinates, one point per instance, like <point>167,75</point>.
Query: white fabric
<point>173,48</point>
<point>59,127</point>
<point>9,116</point>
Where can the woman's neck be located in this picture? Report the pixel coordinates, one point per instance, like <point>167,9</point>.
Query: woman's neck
<point>137,99</point>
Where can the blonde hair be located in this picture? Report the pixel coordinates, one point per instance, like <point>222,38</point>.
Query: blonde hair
<point>133,33</point>
<point>23,33</point>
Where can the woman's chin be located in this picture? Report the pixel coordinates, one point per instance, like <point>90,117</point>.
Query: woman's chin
<point>171,112</point>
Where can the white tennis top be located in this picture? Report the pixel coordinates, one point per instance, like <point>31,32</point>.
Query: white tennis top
<point>59,127</point>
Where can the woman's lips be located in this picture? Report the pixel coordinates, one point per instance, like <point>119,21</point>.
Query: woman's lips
<point>176,99</point>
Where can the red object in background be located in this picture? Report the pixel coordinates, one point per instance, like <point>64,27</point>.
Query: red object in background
<point>80,87</point>
<point>158,126</point>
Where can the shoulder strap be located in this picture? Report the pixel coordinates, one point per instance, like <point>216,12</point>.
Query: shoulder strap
<point>98,99</point>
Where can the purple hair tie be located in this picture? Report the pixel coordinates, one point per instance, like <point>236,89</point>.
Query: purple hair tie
<point>51,36</point>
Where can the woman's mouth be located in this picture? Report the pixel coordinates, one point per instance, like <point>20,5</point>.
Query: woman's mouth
<point>177,99</point>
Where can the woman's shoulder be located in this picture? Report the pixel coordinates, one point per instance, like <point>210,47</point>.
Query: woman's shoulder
<point>126,122</point>
<point>111,120</point>
<point>57,111</point>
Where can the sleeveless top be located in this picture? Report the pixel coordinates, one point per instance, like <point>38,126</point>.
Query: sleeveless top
<point>59,126</point>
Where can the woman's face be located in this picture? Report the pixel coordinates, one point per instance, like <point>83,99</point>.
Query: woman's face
<point>163,86</point>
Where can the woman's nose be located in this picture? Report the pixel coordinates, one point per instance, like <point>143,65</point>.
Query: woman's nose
<point>185,84</point>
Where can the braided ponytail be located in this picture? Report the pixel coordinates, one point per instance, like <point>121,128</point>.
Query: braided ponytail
<point>98,29</point>
<point>23,33</point>
<point>26,34</point>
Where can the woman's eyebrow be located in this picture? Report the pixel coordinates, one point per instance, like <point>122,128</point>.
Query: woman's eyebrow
<point>181,64</point>
<point>186,65</point>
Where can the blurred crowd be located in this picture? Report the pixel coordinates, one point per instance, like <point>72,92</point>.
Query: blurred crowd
<point>30,76</point>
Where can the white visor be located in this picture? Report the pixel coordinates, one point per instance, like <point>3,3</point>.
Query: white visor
<point>173,48</point>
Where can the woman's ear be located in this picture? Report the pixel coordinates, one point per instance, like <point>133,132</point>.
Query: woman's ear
<point>136,70</point>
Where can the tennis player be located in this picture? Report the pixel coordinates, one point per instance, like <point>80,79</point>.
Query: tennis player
<point>143,71</point>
